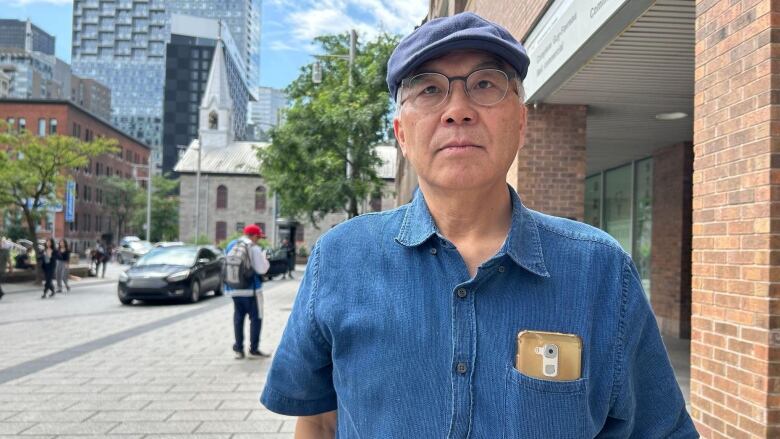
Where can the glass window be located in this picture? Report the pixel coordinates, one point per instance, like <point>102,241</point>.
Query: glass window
<point>239,227</point>
<point>617,205</point>
<point>52,126</point>
<point>22,124</point>
<point>260,199</point>
<point>643,220</point>
<point>593,200</point>
<point>221,231</point>
<point>222,194</point>
<point>11,124</point>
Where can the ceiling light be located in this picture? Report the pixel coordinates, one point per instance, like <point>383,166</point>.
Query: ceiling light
<point>671,116</point>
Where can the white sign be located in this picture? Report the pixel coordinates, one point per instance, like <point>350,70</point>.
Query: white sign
<point>563,30</point>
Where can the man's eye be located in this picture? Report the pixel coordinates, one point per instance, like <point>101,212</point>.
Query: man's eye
<point>429,90</point>
<point>484,84</point>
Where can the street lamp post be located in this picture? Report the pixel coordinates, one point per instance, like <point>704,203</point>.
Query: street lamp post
<point>197,197</point>
<point>316,77</point>
<point>148,192</point>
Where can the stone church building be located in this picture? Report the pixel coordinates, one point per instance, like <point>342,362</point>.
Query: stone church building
<point>230,191</point>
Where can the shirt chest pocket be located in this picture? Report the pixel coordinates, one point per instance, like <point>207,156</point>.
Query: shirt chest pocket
<point>535,408</point>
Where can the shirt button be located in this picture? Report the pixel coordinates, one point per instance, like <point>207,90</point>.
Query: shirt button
<point>433,251</point>
<point>462,368</point>
<point>462,293</point>
<point>501,269</point>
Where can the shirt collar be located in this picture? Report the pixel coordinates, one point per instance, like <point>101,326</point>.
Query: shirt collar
<point>522,245</point>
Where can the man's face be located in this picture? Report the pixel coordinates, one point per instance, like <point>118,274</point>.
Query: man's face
<point>461,145</point>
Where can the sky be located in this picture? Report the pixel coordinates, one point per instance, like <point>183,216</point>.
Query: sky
<point>288,27</point>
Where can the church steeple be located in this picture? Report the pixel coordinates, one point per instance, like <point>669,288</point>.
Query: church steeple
<point>216,108</point>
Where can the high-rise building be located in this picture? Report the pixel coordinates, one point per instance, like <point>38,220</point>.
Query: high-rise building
<point>188,61</point>
<point>32,70</point>
<point>267,111</point>
<point>122,43</point>
<point>26,36</point>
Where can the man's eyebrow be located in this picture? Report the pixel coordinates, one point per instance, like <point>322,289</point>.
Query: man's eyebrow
<point>493,63</point>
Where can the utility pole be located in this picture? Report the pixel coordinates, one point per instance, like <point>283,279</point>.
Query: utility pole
<point>149,198</point>
<point>197,197</point>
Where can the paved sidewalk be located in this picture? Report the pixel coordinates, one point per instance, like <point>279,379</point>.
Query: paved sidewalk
<point>112,274</point>
<point>175,381</point>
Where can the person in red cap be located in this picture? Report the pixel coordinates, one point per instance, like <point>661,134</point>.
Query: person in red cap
<point>244,255</point>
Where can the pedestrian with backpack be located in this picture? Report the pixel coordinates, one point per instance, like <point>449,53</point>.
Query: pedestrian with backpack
<point>245,262</point>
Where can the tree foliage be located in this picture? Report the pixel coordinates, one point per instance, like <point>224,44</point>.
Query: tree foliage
<point>119,202</point>
<point>328,125</point>
<point>165,209</point>
<point>33,169</point>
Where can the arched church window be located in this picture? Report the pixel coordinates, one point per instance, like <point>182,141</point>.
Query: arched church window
<point>222,195</point>
<point>213,120</point>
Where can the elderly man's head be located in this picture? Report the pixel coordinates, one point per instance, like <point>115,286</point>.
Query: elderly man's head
<point>457,82</point>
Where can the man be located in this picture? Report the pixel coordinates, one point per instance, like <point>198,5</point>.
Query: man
<point>249,301</point>
<point>289,248</point>
<point>407,323</point>
<point>5,260</point>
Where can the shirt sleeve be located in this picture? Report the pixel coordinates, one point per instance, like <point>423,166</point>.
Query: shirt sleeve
<point>646,399</point>
<point>259,261</point>
<point>300,381</point>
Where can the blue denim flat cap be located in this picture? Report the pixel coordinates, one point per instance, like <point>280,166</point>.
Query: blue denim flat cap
<point>442,35</point>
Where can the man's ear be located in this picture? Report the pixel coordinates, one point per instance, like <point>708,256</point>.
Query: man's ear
<point>400,135</point>
<point>523,126</point>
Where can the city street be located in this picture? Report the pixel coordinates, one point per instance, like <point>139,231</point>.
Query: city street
<point>82,365</point>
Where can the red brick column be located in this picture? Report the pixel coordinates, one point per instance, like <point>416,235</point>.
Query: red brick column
<point>735,366</point>
<point>551,165</point>
<point>671,257</point>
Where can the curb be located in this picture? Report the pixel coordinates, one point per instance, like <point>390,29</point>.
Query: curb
<point>32,290</point>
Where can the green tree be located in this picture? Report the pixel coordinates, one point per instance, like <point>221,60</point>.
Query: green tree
<point>119,202</point>
<point>328,125</point>
<point>33,169</point>
<point>165,209</point>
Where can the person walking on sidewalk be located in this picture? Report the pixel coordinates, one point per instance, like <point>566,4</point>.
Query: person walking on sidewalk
<point>289,249</point>
<point>5,260</point>
<point>48,263</point>
<point>63,265</point>
<point>464,313</point>
<point>248,298</point>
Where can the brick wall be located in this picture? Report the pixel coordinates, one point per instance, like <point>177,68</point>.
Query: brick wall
<point>519,20</point>
<point>551,165</point>
<point>671,258</point>
<point>735,366</point>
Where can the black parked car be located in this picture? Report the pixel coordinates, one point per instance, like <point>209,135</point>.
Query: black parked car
<point>277,259</point>
<point>178,272</point>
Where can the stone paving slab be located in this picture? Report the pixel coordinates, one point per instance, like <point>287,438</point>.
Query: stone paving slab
<point>177,381</point>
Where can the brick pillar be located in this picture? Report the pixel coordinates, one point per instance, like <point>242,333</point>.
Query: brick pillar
<point>735,366</point>
<point>671,259</point>
<point>551,165</point>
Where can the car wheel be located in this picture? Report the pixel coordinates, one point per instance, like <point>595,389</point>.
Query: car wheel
<point>123,299</point>
<point>194,292</point>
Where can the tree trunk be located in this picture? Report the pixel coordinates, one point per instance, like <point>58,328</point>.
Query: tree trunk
<point>353,207</point>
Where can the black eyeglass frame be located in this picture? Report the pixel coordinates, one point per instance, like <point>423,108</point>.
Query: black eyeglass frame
<point>510,76</point>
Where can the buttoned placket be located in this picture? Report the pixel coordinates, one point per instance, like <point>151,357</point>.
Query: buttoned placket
<point>464,336</point>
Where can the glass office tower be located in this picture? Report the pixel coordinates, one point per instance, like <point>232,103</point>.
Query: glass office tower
<point>122,43</point>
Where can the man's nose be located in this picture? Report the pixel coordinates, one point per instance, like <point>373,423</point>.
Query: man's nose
<point>458,109</point>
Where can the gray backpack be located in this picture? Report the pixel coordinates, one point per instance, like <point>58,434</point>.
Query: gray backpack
<point>238,272</point>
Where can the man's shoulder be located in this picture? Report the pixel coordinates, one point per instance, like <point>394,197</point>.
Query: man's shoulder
<point>366,229</point>
<point>564,229</point>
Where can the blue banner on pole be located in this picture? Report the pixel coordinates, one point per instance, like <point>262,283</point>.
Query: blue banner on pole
<point>70,201</point>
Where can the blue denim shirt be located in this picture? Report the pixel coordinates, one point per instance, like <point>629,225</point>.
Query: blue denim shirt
<point>382,331</point>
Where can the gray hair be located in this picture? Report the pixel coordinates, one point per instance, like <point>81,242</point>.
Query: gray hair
<point>518,82</point>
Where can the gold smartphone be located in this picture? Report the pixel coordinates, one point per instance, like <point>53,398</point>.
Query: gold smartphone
<point>551,356</point>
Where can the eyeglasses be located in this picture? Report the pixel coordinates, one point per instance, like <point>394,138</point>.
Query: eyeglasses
<point>484,87</point>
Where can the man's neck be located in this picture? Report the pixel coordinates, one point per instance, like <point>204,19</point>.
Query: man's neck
<point>476,221</point>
